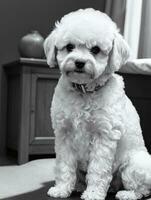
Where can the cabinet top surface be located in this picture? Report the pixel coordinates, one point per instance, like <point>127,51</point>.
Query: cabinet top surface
<point>27,61</point>
<point>29,65</point>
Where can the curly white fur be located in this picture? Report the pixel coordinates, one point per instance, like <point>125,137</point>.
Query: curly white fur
<point>98,132</point>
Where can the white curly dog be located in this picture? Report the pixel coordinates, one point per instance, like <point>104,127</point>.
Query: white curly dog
<point>97,128</point>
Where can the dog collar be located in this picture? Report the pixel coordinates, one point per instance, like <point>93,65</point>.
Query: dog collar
<point>83,88</point>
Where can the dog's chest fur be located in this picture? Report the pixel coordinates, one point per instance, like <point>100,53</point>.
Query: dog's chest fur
<point>77,115</point>
<point>79,126</point>
<point>78,122</point>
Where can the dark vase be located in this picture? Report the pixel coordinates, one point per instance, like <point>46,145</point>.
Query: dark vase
<point>31,45</point>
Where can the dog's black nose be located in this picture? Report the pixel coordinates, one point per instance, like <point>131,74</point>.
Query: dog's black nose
<point>79,64</point>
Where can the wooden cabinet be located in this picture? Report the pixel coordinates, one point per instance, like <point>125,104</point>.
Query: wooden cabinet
<point>30,87</point>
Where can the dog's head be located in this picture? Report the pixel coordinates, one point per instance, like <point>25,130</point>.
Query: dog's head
<point>86,44</point>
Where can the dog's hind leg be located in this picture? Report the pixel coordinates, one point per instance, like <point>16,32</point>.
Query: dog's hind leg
<point>136,177</point>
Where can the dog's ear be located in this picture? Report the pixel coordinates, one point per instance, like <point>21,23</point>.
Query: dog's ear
<point>50,49</point>
<point>119,54</point>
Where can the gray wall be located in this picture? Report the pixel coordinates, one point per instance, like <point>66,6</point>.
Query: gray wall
<point>18,17</point>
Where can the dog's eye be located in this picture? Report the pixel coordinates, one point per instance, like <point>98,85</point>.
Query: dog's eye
<point>70,47</point>
<point>95,50</point>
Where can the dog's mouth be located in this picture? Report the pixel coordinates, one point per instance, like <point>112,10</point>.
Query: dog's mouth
<point>79,71</point>
<point>76,71</point>
<point>79,76</point>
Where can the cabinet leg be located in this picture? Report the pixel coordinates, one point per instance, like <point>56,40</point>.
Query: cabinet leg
<point>23,145</point>
<point>23,157</point>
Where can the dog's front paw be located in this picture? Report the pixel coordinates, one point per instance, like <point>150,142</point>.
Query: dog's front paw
<point>128,195</point>
<point>59,192</point>
<point>92,194</point>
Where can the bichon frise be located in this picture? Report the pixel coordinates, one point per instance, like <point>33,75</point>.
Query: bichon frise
<point>97,128</point>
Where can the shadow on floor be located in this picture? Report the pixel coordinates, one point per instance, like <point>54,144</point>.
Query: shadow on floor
<point>41,194</point>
